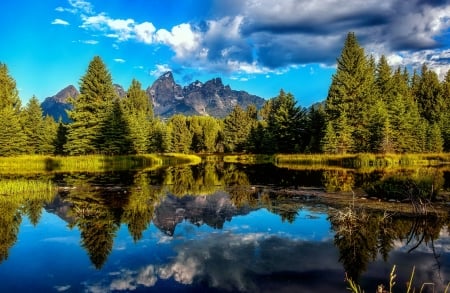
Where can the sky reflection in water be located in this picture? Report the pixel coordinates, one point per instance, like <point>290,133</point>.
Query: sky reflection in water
<point>256,252</point>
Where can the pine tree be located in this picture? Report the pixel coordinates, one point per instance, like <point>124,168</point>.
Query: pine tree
<point>48,137</point>
<point>329,141</point>
<point>90,110</point>
<point>352,92</point>
<point>181,137</point>
<point>428,96</point>
<point>435,142</point>
<point>138,112</point>
<point>9,95</point>
<point>60,139</point>
<point>115,132</point>
<point>315,129</point>
<point>286,124</point>
<point>12,137</point>
<point>33,125</point>
<point>236,130</point>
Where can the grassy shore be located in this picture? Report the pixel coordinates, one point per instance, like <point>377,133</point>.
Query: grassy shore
<point>364,160</point>
<point>90,163</point>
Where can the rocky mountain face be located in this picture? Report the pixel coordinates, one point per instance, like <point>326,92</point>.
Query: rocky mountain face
<point>211,98</point>
<point>57,105</point>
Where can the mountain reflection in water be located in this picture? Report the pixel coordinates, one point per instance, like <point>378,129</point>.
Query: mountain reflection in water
<point>214,228</point>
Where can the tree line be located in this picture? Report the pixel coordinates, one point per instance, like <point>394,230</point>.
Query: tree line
<point>370,107</point>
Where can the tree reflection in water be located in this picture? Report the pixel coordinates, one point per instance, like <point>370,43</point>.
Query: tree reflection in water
<point>98,204</point>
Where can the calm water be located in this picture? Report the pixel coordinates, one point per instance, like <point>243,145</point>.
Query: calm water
<point>210,228</point>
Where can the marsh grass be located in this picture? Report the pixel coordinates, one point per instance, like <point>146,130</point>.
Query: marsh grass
<point>355,288</point>
<point>17,190</point>
<point>91,163</point>
<point>364,160</point>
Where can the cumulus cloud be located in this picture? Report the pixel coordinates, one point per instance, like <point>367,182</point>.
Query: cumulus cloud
<point>160,69</point>
<point>183,39</point>
<point>59,21</point>
<point>264,36</point>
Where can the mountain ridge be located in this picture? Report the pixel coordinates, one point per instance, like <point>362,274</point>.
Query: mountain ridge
<point>211,98</point>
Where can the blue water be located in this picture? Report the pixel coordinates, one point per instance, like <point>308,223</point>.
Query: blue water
<point>256,252</point>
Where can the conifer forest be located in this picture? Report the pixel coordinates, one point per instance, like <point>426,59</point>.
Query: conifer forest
<point>370,108</point>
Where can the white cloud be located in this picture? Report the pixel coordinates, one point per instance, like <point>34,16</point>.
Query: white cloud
<point>183,39</point>
<point>145,32</point>
<point>119,60</point>
<point>60,9</point>
<point>62,288</point>
<point>160,70</point>
<point>88,42</point>
<point>81,6</point>
<point>59,21</point>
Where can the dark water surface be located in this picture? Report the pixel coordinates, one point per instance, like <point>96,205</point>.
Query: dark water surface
<point>212,228</point>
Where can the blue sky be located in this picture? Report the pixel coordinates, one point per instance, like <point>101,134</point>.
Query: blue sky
<point>259,46</point>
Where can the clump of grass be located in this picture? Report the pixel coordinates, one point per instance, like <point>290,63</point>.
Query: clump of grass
<point>355,288</point>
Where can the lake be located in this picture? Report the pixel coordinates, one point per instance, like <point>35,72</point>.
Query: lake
<point>222,227</point>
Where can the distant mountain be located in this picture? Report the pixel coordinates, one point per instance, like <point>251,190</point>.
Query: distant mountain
<point>211,98</point>
<point>57,105</point>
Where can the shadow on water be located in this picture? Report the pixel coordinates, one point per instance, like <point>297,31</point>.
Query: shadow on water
<point>212,194</point>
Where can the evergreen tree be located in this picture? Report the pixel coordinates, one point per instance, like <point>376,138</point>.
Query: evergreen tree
<point>61,138</point>
<point>315,129</point>
<point>435,142</point>
<point>329,140</point>
<point>115,132</point>
<point>352,92</point>
<point>9,95</point>
<point>383,80</point>
<point>48,137</point>
<point>181,137</point>
<point>286,124</point>
<point>428,96</point>
<point>159,137</point>
<point>12,138</point>
<point>138,112</point>
<point>236,130</point>
<point>33,125</point>
<point>90,109</point>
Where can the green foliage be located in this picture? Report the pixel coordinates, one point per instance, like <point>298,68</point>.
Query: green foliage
<point>90,110</point>
<point>13,140</point>
<point>9,95</point>
<point>181,137</point>
<point>286,124</point>
<point>236,129</point>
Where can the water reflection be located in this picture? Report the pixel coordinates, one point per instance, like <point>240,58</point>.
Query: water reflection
<point>232,227</point>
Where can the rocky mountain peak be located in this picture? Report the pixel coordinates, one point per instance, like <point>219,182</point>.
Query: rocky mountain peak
<point>64,94</point>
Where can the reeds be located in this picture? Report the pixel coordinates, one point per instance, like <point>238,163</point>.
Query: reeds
<point>18,190</point>
<point>355,288</point>
<point>90,163</point>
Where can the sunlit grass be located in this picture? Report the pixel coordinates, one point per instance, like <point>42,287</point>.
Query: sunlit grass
<point>21,189</point>
<point>364,161</point>
<point>92,163</point>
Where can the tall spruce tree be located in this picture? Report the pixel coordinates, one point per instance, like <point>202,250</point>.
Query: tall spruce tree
<point>352,92</point>
<point>33,125</point>
<point>12,137</point>
<point>428,96</point>
<point>90,109</point>
<point>138,112</point>
<point>9,95</point>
